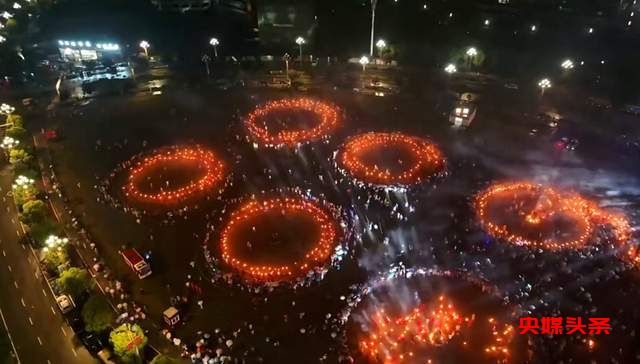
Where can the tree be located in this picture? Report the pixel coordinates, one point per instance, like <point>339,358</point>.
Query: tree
<point>15,120</point>
<point>54,258</point>
<point>33,212</point>
<point>16,132</point>
<point>128,341</point>
<point>97,313</point>
<point>166,359</point>
<point>22,194</point>
<point>41,230</point>
<point>74,281</point>
<point>19,157</point>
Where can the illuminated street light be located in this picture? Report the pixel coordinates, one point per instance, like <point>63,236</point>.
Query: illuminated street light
<point>6,109</point>
<point>2,39</point>
<point>214,42</point>
<point>22,182</point>
<point>7,15</point>
<point>9,143</point>
<point>567,64</point>
<point>451,68</point>
<point>145,45</point>
<point>590,30</point>
<point>54,242</point>
<point>381,45</point>
<point>533,28</point>
<point>472,52</point>
<point>17,6</point>
<point>544,84</point>
<point>300,41</point>
<point>364,61</point>
<point>487,22</point>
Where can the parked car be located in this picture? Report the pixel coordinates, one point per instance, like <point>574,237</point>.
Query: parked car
<point>65,303</point>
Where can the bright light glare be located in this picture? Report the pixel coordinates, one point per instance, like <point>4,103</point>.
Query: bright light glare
<point>213,41</point>
<point>472,52</point>
<point>544,83</point>
<point>567,64</point>
<point>381,43</point>
<point>300,41</point>
<point>450,68</point>
<point>144,44</point>
<point>364,60</point>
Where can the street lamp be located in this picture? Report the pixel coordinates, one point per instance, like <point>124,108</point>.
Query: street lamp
<point>381,45</point>
<point>567,64</point>
<point>2,39</point>
<point>471,53</point>
<point>9,143</point>
<point>450,68</point>
<point>373,24</point>
<point>364,61</point>
<point>544,84</point>
<point>145,45</point>
<point>533,28</point>
<point>6,109</point>
<point>22,182</point>
<point>300,41</point>
<point>54,242</point>
<point>214,42</point>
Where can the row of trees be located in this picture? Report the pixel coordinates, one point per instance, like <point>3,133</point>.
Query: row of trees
<point>97,313</point>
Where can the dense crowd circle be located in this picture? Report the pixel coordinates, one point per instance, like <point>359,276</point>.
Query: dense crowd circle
<point>530,214</point>
<point>213,173</point>
<point>256,122</point>
<point>426,159</point>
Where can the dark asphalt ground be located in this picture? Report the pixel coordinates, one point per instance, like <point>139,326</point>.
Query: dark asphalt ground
<point>497,146</point>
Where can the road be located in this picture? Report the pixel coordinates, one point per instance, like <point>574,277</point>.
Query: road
<point>38,331</point>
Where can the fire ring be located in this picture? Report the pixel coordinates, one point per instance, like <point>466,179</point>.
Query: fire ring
<point>425,160</point>
<point>256,122</point>
<point>419,315</point>
<point>525,213</point>
<point>240,232</point>
<point>211,168</point>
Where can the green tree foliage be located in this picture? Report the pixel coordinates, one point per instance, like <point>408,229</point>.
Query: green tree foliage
<point>23,194</point>
<point>75,281</point>
<point>20,159</point>
<point>15,120</point>
<point>16,132</point>
<point>40,231</point>
<point>97,313</point>
<point>33,212</point>
<point>128,342</point>
<point>166,359</point>
<point>54,258</point>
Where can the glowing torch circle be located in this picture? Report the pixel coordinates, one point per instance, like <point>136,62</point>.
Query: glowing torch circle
<point>394,321</point>
<point>426,159</point>
<point>213,174</point>
<point>532,208</point>
<point>256,122</point>
<point>317,256</point>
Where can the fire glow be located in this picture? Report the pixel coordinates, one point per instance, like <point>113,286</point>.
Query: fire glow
<point>427,160</point>
<point>396,340</point>
<point>213,167</point>
<point>316,256</point>
<point>259,131</point>
<point>585,215</point>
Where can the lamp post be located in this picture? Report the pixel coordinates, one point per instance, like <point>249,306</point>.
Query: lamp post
<point>544,84</point>
<point>567,64</point>
<point>206,59</point>
<point>471,54</point>
<point>300,41</point>
<point>381,45</point>
<point>6,109</point>
<point>145,45</point>
<point>214,42</point>
<point>286,59</point>
<point>364,61</point>
<point>374,3</point>
<point>450,68</point>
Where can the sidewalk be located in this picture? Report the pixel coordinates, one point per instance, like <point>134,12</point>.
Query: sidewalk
<point>106,281</point>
